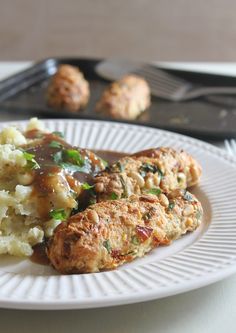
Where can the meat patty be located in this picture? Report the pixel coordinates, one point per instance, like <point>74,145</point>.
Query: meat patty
<point>68,90</point>
<point>126,98</point>
<point>145,171</point>
<point>111,233</point>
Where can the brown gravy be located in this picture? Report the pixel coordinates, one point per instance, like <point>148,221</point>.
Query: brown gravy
<point>55,157</point>
<point>39,255</point>
<point>109,155</point>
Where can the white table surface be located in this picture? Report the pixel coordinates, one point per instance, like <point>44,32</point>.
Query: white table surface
<point>209,309</point>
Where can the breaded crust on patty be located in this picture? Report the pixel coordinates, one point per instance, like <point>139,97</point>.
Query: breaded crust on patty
<point>68,90</point>
<point>126,98</point>
<point>111,233</point>
<point>164,168</point>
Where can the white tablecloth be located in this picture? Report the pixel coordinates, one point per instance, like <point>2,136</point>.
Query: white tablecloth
<point>209,309</point>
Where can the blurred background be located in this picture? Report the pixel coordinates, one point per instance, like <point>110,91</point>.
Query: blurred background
<point>164,30</point>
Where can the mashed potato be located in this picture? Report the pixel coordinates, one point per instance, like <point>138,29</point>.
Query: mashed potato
<point>41,180</point>
<point>23,223</point>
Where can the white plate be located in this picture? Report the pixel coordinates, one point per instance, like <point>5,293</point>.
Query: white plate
<point>196,260</point>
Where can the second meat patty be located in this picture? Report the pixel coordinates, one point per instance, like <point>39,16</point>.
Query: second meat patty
<point>149,171</point>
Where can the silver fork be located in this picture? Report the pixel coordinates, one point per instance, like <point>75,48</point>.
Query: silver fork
<point>162,84</point>
<point>230,146</point>
<point>171,87</point>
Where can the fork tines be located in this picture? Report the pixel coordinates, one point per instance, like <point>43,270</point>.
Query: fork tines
<point>160,81</point>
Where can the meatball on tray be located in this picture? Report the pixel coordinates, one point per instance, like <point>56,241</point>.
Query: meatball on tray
<point>47,90</point>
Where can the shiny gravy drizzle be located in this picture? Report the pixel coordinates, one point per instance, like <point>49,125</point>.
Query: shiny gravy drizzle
<point>44,156</point>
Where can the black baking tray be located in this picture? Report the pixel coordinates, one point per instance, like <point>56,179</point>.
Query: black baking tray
<point>209,118</point>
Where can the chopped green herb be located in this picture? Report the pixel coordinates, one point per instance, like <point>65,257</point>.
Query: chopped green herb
<point>145,168</point>
<point>155,191</point>
<point>104,162</point>
<point>57,133</point>
<point>135,240</point>
<point>71,161</point>
<point>171,205</point>
<point>92,201</point>
<point>187,196</point>
<point>74,156</point>
<point>55,144</point>
<point>74,168</point>
<point>107,245</point>
<point>28,156</point>
<point>198,214</point>
<point>179,179</point>
<point>130,253</point>
<point>57,157</point>
<point>31,163</point>
<point>113,196</point>
<point>108,168</point>
<point>58,214</point>
<point>120,166</point>
<point>76,210</point>
<point>86,186</point>
<point>125,193</point>
<point>74,194</point>
<point>147,216</point>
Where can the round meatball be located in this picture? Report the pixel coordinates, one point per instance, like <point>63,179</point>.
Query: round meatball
<point>126,98</point>
<point>68,90</point>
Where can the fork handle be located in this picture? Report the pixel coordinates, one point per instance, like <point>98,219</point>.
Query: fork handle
<point>198,92</point>
<point>222,100</point>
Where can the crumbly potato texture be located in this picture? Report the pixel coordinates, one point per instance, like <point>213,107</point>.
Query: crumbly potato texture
<point>20,224</point>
